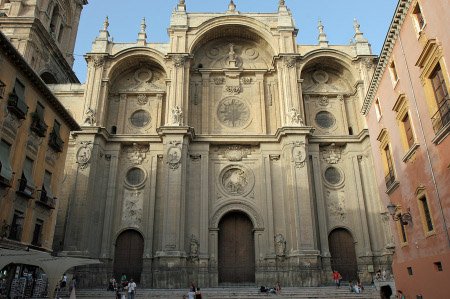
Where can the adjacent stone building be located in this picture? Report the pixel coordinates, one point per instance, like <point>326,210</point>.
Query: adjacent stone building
<point>408,113</point>
<point>229,155</point>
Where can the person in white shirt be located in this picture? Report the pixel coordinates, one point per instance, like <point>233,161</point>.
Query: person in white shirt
<point>131,289</point>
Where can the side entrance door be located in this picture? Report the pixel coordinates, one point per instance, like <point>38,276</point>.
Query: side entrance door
<point>128,255</point>
<point>343,254</point>
<point>236,249</point>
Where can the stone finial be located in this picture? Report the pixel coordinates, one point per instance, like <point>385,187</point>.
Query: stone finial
<point>323,41</point>
<point>142,36</point>
<point>181,5</point>
<point>356,26</point>
<point>231,6</point>
<point>104,34</point>
<point>360,42</point>
<point>282,3</point>
<point>106,24</point>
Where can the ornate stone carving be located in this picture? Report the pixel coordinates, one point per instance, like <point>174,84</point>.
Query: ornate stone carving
<point>336,205</point>
<point>237,206</point>
<point>142,99</point>
<point>11,124</point>
<point>323,101</point>
<point>320,76</point>
<point>274,157</point>
<point>280,245</point>
<point>233,89</point>
<point>137,153</point>
<point>195,157</point>
<point>98,61</point>
<point>247,80</point>
<point>89,117</point>
<point>177,116</point>
<point>236,152</point>
<point>340,97</point>
<point>219,80</point>
<point>298,154</point>
<point>132,208</point>
<point>178,60</point>
<point>235,181</point>
<point>290,61</point>
<point>196,93</point>
<point>174,155</point>
<point>332,154</point>
<point>294,117</point>
<point>232,112</point>
<point>84,154</point>
<point>193,247</point>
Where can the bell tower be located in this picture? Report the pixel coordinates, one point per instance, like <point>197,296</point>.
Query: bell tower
<point>44,32</point>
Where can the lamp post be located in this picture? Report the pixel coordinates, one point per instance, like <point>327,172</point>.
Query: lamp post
<point>395,212</point>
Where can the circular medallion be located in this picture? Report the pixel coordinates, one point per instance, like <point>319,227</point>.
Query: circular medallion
<point>233,113</point>
<point>333,175</point>
<point>236,180</point>
<point>320,76</point>
<point>140,118</point>
<point>135,176</point>
<point>325,119</point>
<point>143,75</point>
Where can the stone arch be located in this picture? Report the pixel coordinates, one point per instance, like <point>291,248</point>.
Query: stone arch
<point>208,28</point>
<point>128,254</point>
<point>333,228</point>
<point>343,253</point>
<point>117,234</point>
<point>341,58</point>
<point>237,205</point>
<point>49,78</point>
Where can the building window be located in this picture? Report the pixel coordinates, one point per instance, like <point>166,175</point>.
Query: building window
<point>15,231</point>
<point>441,96</point>
<point>46,195</point>
<point>410,270</point>
<point>408,130</point>
<point>419,20</point>
<point>438,266</point>
<point>55,141</point>
<point>37,123</point>
<point>425,214</point>
<point>388,162</point>
<point>408,140</point>
<point>37,233</point>
<point>389,174</point>
<point>26,184</point>
<point>16,101</point>
<point>402,233</point>
<point>6,173</point>
<point>393,72</point>
<point>378,109</point>
<point>2,89</point>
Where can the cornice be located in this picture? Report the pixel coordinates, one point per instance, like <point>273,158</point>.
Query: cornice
<point>386,52</point>
<point>11,53</point>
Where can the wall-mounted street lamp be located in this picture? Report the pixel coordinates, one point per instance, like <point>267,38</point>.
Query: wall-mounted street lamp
<point>395,212</point>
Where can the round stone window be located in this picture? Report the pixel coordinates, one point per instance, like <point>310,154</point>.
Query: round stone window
<point>333,175</point>
<point>140,118</point>
<point>325,119</point>
<point>135,176</point>
<point>233,113</point>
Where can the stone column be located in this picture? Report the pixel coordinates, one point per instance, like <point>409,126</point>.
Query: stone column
<point>288,89</point>
<point>205,103</point>
<point>94,86</point>
<point>180,86</point>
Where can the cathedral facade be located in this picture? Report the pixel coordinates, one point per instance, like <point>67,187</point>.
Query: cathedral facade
<point>230,155</point>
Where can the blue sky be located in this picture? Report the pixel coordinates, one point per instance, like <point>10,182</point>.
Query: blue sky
<point>336,15</point>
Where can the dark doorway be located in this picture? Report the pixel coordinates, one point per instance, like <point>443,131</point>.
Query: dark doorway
<point>48,78</point>
<point>343,255</point>
<point>236,249</point>
<point>128,255</point>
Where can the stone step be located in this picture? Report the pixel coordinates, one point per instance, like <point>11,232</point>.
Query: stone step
<point>243,293</point>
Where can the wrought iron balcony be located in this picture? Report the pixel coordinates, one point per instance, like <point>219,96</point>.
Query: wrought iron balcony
<point>17,106</point>
<point>442,116</point>
<point>389,179</point>
<point>55,142</point>
<point>38,125</point>
<point>25,189</point>
<point>45,200</point>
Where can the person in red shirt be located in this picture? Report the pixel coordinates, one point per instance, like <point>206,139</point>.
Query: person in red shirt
<point>337,278</point>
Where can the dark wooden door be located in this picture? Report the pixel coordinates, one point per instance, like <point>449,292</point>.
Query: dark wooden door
<point>236,249</point>
<point>343,255</point>
<point>128,255</point>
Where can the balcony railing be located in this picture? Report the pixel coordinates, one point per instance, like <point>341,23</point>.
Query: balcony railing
<point>45,200</point>
<point>442,116</point>
<point>38,125</point>
<point>389,179</point>
<point>17,106</point>
<point>25,189</point>
<point>55,142</point>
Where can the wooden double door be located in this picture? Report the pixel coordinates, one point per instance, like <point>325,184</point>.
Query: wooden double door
<point>236,249</point>
<point>128,255</point>
<point>343,254</point>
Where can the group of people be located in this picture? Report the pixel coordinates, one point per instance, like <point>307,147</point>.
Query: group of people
<point>124,289</point>
<point>194,292</point>
<point>276,289</point>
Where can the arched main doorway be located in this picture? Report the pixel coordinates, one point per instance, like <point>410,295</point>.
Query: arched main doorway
<point>128,255</point>
<point>343,254</point>
<point>236,249</point>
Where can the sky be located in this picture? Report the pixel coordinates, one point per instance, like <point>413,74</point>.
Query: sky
<point>336,15</point>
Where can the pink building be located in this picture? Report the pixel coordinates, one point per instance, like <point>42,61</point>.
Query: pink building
<point>407,108</point>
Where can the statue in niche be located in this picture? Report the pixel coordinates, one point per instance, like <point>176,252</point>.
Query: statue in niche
<point>194,244</point>
<point>280,245</point>
<point>177,116</point>
<point>235,181</point>
<point>294,117</point>
<point>90,117</point>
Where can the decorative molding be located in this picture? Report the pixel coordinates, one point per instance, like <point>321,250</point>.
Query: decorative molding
<point>236,152</point>
<point>233,89</point>
<point>142,99</point>
<point>294,117</point>
<point>219,80</point>
<point>177,116</point>
<point>179,60</point>
<point>174,155</point>
<point>280,245</point>
<point>336,205</point>
<point>236,180</point>
<point>194,244</point>
<point>257,220</point>
<point>324,101</point>
<point>84,154</point>
<point>332,154</point>
<point>274,157</point>
<point>298,153</point>
<point>137,153</point>
<point>290,61</point>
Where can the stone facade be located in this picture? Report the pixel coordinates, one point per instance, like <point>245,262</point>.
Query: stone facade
<point>231,117</point>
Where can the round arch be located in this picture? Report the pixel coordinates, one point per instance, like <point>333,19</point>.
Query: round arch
<point>250,24</point>
<point>237,205</point>
<point>128,254</point>
<point>343,253</point>
<point>121,60</point>
<point>48,78</point>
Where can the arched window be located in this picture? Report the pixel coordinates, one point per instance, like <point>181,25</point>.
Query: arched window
<point>54,20</point>
<point>49,78</point>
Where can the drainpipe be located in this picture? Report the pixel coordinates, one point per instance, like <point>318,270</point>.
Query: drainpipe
<point>427,151</point>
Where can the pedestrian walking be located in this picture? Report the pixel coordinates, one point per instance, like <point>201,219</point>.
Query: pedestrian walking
<point>131,289</point>
<point>337,278</point>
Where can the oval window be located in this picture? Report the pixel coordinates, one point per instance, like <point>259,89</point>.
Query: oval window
<point>325,119</point>
<point>135,176</point>
<point>333,175</point>
<point>140,118</point>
